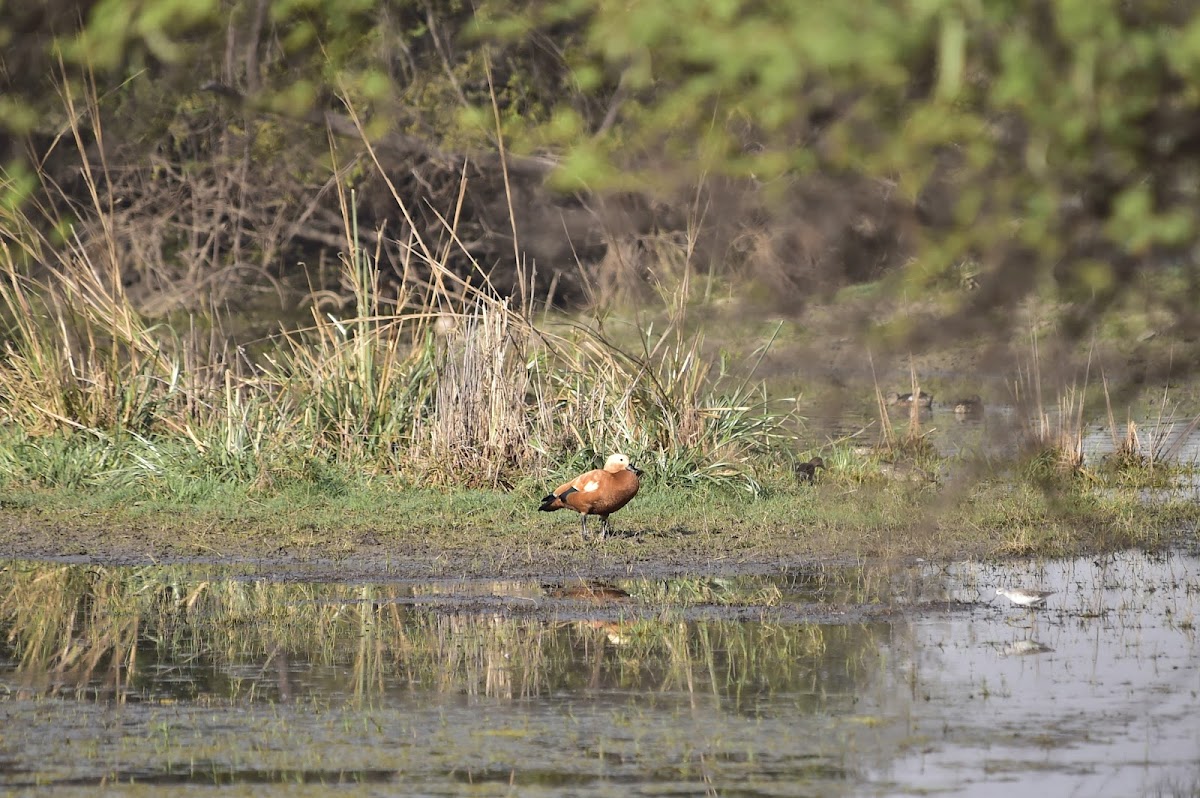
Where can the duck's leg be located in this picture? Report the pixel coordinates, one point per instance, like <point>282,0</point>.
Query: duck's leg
<point>603,526</point>
<point>583,525</point>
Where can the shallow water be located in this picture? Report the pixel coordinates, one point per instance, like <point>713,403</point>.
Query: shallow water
<point>825,681</point>
<point>997,429</point>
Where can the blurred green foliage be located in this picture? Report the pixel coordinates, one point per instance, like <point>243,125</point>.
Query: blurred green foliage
<point>1055,136</point>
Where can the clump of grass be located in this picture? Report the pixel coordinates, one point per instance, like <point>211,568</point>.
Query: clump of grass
<point>1053,443</point>
<point>914,443</point>
<point>1146,455</point>
<point>666,407</point>
<point>1128,451</point>
<point>475,430</point>
<point>445,384</point>
<point>847,462</point>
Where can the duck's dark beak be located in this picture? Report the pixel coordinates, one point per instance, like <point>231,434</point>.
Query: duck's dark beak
<point>637,471</point>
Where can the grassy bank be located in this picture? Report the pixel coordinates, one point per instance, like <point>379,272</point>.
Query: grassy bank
<point>420,418</point>
<point>375,525</point>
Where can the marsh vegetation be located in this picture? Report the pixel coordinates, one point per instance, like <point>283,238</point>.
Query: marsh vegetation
<point>386,425</point>
<point>305,306</point>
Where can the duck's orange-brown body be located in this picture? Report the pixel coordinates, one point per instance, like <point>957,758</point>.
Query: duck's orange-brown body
<point>601,492</point>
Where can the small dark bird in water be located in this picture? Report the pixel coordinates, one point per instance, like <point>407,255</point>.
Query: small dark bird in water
<point>601,492</point>
<point>921,399</point>
<point>807,472</point>
<point>968,406</point>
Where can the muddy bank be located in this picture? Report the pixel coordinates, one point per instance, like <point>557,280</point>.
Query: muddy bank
<point>396,556</point>
<point>549,551</point>
<point>410,534</point>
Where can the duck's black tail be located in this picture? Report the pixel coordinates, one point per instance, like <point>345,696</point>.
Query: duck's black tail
<point>552,502</point>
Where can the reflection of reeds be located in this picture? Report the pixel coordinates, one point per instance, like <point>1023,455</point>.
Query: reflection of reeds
<point>93,630</point>
<point>693,591</point>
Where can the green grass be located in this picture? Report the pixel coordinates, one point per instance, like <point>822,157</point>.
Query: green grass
<point>375,521</point>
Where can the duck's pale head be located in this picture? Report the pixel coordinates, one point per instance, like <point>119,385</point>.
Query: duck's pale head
<point>617,463</point>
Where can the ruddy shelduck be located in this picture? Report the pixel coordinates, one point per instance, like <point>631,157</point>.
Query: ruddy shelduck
<point>601,492</point>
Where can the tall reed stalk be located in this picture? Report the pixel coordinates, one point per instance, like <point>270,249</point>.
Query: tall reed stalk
<point>1054,441</point>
